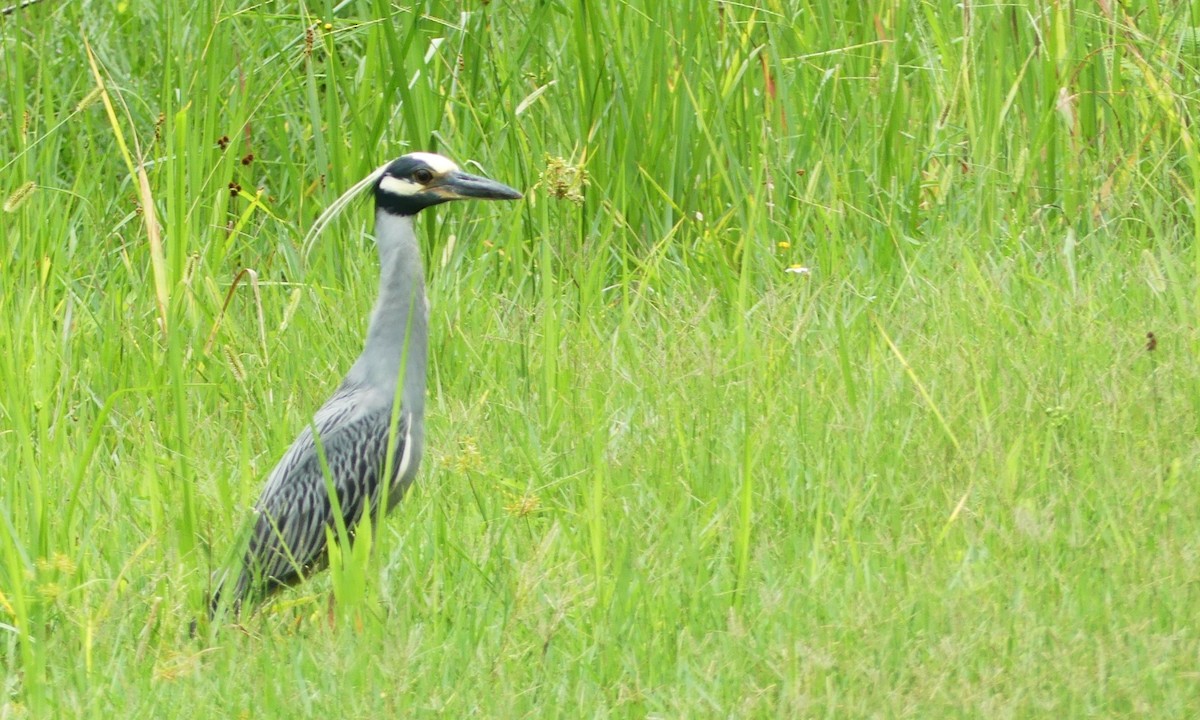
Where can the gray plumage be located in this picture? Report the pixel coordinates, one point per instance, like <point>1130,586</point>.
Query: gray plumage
<point>352,429</point>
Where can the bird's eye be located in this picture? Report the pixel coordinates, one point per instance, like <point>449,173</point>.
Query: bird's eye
<point>423,176</point>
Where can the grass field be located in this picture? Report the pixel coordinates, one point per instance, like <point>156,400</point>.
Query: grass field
<point>810,379</point>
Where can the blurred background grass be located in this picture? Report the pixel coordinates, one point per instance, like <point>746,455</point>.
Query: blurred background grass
<point>937,469</point>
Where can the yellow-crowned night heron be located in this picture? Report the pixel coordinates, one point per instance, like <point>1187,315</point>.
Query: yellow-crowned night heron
<point>352,429</point>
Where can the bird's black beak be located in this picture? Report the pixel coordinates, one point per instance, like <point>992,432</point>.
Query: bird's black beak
<point>459,185</point>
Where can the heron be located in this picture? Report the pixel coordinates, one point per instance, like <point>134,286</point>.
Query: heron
<point>363,446</point>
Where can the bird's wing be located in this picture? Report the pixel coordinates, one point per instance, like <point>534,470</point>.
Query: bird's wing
<point>295,508</point>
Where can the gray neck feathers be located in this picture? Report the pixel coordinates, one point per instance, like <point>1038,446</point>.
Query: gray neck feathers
<point>399,328</point>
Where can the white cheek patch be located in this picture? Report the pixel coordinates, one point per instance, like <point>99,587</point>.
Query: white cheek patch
<point>396,186</point>
<point>437,163</point>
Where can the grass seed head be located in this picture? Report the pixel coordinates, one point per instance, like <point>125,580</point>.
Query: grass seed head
<point>19,196</point>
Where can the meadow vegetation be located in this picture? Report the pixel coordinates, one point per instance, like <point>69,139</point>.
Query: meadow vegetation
<point>812,377</point>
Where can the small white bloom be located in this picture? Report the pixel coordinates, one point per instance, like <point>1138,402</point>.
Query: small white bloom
<point>799,270</point>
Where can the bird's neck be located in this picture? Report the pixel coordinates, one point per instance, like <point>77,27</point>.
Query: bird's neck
<point>397,337</point>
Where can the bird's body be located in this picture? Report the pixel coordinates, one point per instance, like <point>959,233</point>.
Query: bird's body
<point>373,425</point>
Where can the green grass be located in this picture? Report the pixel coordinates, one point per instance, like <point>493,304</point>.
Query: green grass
<point>939,476</point>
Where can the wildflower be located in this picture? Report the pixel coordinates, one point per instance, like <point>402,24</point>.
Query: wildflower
<point>564,181</point>
<point>524,505</point>
<point>63,563</point>
<point>469,457</point>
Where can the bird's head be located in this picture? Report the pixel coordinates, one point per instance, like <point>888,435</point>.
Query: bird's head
<point>413,182</point>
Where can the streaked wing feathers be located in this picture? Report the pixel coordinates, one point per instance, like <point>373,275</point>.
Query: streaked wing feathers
<point>295,509</point>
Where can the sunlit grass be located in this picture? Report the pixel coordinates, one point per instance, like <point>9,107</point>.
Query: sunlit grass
<point>941,472</point>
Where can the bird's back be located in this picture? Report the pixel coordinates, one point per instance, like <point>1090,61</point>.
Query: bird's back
<point>351,439</point>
